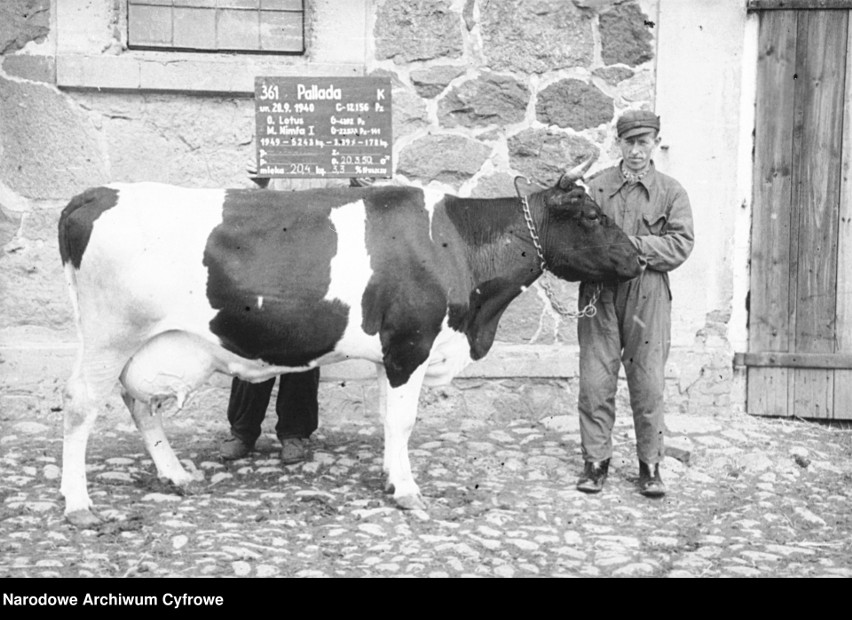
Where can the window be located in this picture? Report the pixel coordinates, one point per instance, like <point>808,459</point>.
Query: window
<point>93,50</point>
<point>260,26</point>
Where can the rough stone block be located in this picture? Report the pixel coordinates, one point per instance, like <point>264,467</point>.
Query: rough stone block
<point>613,75</point>
<point>448,159</point>
<point>193,141</point>
<point>494,186</point>
<point>22,21</point>
<point>626,35</point>
<point>31,67</point>
<point>430,82</point>
<point>535,36</point>
<point>409,109</point>
<point>543,155</point>
<point>424,30</point>
<point>49,147</point>
<point>574,104</point>
<point>487,100</point>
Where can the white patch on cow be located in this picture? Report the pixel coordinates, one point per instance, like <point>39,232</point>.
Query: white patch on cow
<point>431,198</point>
<point>350,274</point>
<point>144,259</point>
<point>450,355</point>
<point>260,302</point>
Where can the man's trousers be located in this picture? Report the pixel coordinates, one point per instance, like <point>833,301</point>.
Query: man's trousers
<point>296,406</point>
<point>632,327</point>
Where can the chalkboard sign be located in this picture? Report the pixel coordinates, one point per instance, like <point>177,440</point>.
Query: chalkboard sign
<point>323,127</point>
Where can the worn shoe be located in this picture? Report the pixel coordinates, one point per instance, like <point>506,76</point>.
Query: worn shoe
<point>293,450</point>
<point>593,477</point>
<point>234,448</point>
<point>650,483</point>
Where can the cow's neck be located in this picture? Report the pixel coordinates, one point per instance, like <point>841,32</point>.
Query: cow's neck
<point>502,260</point>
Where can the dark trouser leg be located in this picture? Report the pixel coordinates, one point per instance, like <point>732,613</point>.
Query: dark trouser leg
<point>646,331</point>
<point>297,405</point>
<point>600,351</point>
<point>247,408</point>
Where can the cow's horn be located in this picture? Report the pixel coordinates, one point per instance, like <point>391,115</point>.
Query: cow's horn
<point>576,173</point>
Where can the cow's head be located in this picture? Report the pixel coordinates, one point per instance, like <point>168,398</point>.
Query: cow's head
<point>579,241</point>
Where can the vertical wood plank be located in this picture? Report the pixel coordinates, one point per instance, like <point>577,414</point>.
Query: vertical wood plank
<point>773,163</point>
<point>843,343</point>
<point>766,391</point>
<point>820,87</point>
<point>769,298</point>
<point>813,393</point>
<point>821,72</point>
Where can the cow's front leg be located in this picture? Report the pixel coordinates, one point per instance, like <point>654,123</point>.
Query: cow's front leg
<point>398,408</point>
<point>148,419</point>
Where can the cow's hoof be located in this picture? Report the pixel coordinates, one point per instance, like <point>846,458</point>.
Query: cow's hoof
<point>410,502</point>
<point>83,519</point>
<point>184,487</point>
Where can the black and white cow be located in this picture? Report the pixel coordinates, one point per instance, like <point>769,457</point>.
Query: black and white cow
<point>170,285</point>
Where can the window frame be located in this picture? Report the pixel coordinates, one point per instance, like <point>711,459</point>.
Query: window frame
<point>126,7</point>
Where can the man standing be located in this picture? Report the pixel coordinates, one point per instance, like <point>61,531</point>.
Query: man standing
<point>633,321</point>
<point>296,407</point>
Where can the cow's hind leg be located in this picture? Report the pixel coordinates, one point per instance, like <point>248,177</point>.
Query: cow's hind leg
<point>148,418</point>
<point>398,407</point>
<point>161,375</point>
<point>86,390</point>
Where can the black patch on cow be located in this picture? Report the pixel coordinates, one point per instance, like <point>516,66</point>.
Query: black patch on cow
<point>77,220</point>
<point>500,257</point>
<point>278,246</point>
<point>481,221</point>
<point>405,300</point>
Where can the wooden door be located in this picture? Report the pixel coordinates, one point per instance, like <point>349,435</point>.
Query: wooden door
<point>800,301</point>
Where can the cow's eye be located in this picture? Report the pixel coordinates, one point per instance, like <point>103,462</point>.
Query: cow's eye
<point>592,216</point>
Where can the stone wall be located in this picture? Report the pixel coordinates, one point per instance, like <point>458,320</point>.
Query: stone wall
<point>483,91</point>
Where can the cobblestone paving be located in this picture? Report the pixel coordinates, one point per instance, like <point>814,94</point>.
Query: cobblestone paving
<point>747,497</point>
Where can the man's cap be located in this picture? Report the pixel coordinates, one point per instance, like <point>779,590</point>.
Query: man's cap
<point>636,122</point>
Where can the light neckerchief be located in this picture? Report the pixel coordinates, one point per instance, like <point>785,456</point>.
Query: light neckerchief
<point>632,178</point>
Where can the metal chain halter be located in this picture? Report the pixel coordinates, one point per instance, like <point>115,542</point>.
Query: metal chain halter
<point>589,310</point>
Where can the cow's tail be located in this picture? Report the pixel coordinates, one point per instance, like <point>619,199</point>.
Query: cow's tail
<point>66,251</point>
<point>71,284</point>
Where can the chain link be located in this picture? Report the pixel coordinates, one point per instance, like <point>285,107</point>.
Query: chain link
<point>589,310</point>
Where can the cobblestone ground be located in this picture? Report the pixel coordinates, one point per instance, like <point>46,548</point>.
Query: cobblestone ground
<point>747,497</point>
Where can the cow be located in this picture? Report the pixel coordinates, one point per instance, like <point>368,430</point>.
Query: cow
<point>170,285</point>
